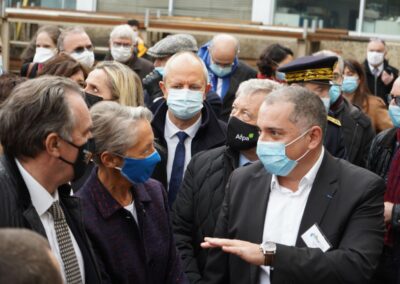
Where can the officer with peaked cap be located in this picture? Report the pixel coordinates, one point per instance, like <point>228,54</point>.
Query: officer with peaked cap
<point>161,52</point>
<point>349,131</point>
<point>316,74</point>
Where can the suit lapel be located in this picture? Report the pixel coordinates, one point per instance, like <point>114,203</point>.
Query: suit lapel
<point>261,182</point>
<point>322,192</point>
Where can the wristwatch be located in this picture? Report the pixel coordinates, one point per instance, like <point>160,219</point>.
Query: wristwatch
<point>268,249</point>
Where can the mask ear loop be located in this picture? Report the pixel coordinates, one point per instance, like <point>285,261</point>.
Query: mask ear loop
<point>302,135</point>
<point>121,156</point>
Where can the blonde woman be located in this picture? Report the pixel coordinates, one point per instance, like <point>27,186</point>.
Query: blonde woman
<point>114,81</point>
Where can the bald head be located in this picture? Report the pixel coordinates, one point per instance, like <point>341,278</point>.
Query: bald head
<point>223,49</point>
<point>396,87</point>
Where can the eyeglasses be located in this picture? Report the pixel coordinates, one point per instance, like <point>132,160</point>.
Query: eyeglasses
<point>119,45</point>
<point>396,99</point>
<point>81,49</point>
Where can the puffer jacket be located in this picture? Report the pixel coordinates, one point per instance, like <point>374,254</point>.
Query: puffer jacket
<point>381,152</point>
<point>197,206</point>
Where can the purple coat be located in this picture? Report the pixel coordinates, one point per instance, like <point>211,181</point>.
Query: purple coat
<point>128,253</point>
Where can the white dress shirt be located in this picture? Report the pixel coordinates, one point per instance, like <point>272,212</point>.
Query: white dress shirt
<point>170,131</point>
<point>284,212</point>
<point>42,201</point>
<point>132,209</point>
<point>380,69</point>
<point>219,87</point>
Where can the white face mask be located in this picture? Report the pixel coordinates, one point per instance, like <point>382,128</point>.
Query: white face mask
<point>136,33</point>
<point>375,58</point>
<point>85,58</point>
<point>121,54</point>
<point>43,54</point>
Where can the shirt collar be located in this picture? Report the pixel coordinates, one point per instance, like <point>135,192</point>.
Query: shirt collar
<point>41,198</point>
<point>308,178</point>
<point>171,129</point>
<point>380,68</point>
<point>243,160</point>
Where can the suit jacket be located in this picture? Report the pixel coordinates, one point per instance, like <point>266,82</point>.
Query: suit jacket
<point>345,201</point>
<point>17,211</point>
<point>242,73</point>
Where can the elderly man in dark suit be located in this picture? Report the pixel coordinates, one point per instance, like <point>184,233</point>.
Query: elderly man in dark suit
<point>319,219</point>
<point>45,131</point>
<point>225,70</point>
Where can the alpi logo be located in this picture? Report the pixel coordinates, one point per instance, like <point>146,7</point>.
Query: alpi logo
<point>241,137</point>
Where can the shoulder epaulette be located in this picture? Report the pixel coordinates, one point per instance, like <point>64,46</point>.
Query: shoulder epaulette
<point>334,120</point>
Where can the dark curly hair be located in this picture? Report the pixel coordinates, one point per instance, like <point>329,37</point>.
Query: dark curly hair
<point>270,57</point>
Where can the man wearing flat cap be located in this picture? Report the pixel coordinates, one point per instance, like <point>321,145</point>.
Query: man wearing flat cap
<point>161,53</point>
<point>348,125</point>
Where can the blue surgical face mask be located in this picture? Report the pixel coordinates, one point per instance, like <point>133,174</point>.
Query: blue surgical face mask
<point>273,156</point>
<point>139,170</point>
<point>220,71</point>
<point>350,84</point>
<point>394,113</point>
<point>160,70</point>
<point>280,76</point>
<point>184,103</point>
<point>334,93</point>
<point>327,103</point>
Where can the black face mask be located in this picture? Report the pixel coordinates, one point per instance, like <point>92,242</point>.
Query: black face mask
<point>85,153</point>
<point>241,135</point>
<point>92,99</point>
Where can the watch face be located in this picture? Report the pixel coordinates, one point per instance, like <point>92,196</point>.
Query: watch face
<point>268,246</point>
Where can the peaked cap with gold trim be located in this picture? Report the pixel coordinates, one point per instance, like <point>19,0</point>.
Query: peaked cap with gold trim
<point>310,68</point>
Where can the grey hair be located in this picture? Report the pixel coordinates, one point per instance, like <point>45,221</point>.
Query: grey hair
<point>225,36</point>
<point>185,53</point>
<point>115,128</point>
<point>35,109</point>
<point>65,33</point>
<point>257,86</point>
<point>123,31</point>
<point>308,108</point>
<point>377,39</point>
<point>326,52</point>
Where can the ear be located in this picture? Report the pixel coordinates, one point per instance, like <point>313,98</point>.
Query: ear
<point>163,89</point>
<point>51,145</point>
<point>109,160</point>
<point>316,137</point>
<point>208,88</point>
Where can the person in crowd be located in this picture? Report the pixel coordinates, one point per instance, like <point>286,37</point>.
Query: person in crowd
<point>122,41</point>
<point>41,48</point>
<point>26,258</point>
<point>202,191</point>
<point>75,42</point>
<point>380,75</point>
<point>226,72</point>
<point>184,124</point>
<point>352,128</point>
<point>384,159</point>
<point>45,132</point>
<point>125,212</point>
<point>274,56</point>
<point>114,81</point>
<point>139,45</point>
<point>65,66</point>
<point>355,89</point>
<point>319,226</point>
<point>161,52</point>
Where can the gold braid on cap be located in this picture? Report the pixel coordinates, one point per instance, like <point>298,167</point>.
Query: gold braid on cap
<point>309,75</point>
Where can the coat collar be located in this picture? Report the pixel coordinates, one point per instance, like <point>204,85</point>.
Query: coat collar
<point>104,201</point>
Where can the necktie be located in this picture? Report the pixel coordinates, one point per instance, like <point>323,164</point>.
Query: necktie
<point>71,267</point>
<point>375,72</point>
<point>177,168</point>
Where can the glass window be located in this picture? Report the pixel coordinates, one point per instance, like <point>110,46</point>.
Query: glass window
<point>338,14</point>
<point>382,17</point>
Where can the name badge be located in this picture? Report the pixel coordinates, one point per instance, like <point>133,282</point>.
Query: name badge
<point>314,238</point>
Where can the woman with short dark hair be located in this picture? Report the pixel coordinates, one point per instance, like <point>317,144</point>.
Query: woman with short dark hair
<point>271,59</point>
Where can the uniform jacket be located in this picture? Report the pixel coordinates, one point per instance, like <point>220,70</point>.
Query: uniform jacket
<point>349,214</point>
<point>211,134</point>
<point>17,211</point>
<point>197,206</point>
<point>129,253</point>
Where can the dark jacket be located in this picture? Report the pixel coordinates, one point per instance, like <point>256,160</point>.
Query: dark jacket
<point>17,211</point>
<point>211,134</point>
<point>357,131</point>
<point>380,89</point>
<point>129,253</point>
<point>197,206</point>
<point>348,213</point>
<point>241,72</point>
<point>141,66</point>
